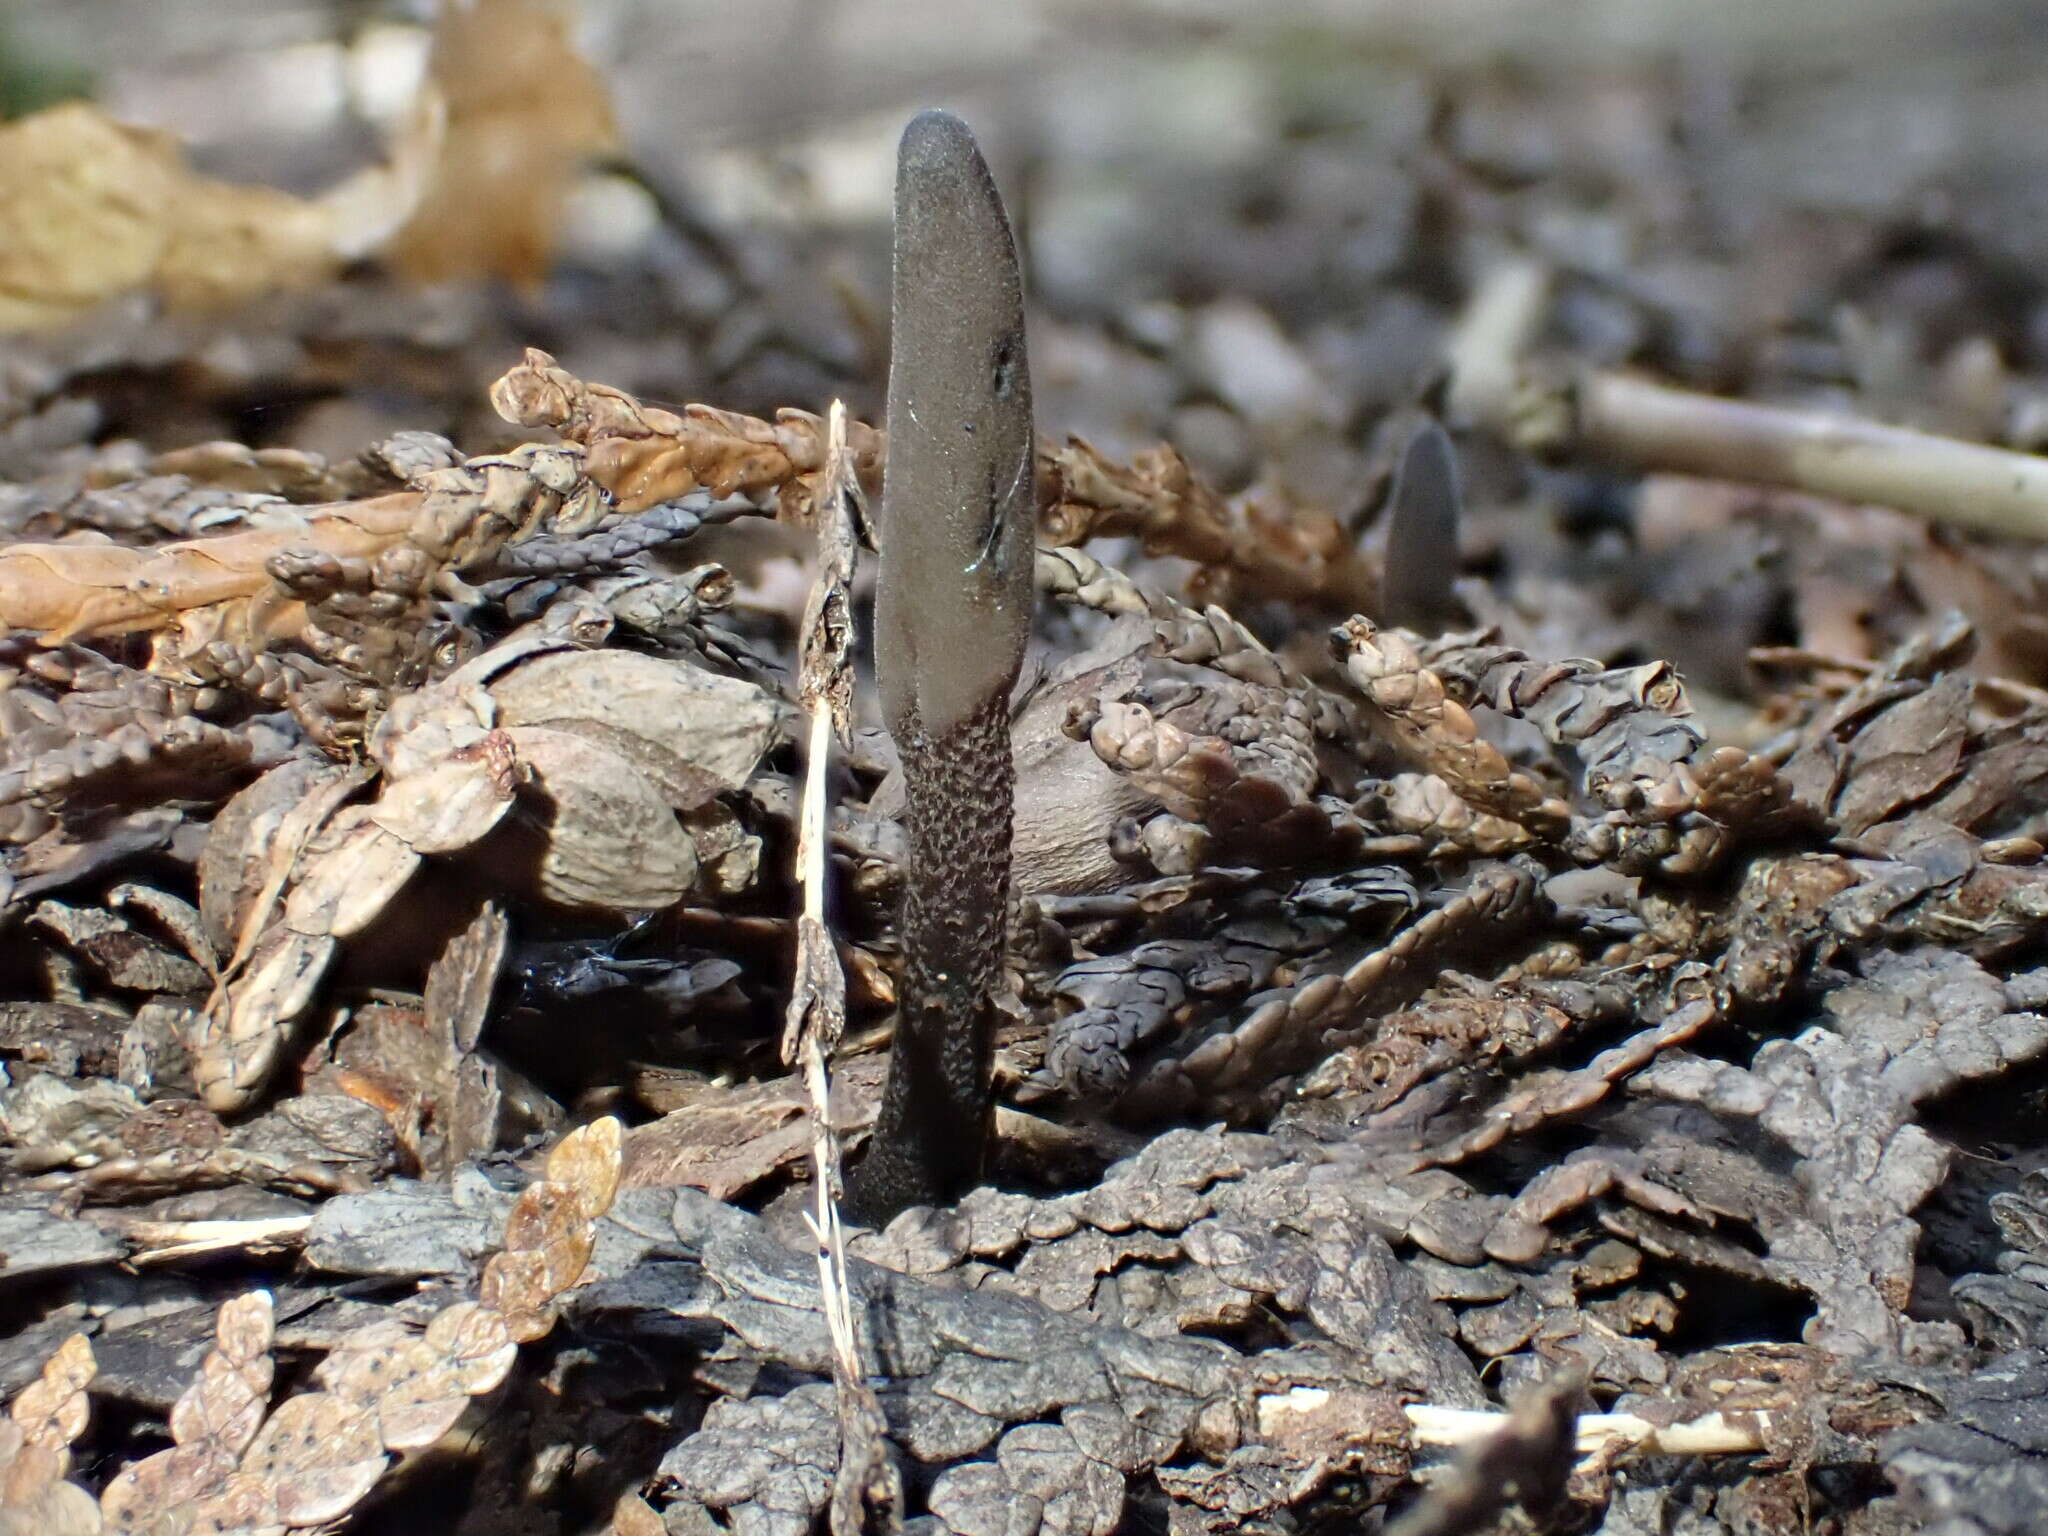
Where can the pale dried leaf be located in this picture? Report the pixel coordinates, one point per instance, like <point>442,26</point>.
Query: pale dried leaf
<point>453,803</point>
<point>57,1509</point>
<point>348,885</point>
<point>611,843</point>
<point>243,1504</point>
<point>96,208</point>
<point>690,732</point>
<point>411,1386</point>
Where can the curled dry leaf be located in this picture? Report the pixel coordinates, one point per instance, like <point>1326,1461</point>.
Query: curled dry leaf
<point>690,733</point>
<point>607,839</point>
<point>356,867</point>
<point>598,749</point>
<point>452,803</point>
<point>473,187</point>
<point>254,841</point>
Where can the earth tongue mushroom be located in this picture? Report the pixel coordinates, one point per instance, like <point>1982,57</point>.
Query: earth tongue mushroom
<point>952,615</point>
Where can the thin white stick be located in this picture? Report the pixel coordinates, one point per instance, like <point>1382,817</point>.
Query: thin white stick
<point>824,1222</point>
<point>1643,425</point>
<point>183,1239</point>
<point>1713,1434</point>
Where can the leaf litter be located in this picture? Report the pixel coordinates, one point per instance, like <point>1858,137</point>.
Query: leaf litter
<point>1524,983</point>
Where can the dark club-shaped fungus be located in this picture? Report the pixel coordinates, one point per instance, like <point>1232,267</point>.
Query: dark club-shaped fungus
<point>952,615</point>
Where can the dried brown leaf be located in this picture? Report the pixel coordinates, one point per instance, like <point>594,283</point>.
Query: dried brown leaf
<point>547,1219</point>
<point>515,1286</point>
<point>643,455</point>
<point>634,1516</point>
<point>723,1142</point>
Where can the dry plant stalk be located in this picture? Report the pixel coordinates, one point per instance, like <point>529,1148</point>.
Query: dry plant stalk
<point>1271,1039</point>
<point>385,1389</point>
<point>817,1005</point>
<point>643,456</point>
<point>1650,426</point>
<point>1565,1094</point>
<point>1601,1434</point>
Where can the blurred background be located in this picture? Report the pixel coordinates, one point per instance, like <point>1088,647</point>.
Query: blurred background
<point>1262,232</point>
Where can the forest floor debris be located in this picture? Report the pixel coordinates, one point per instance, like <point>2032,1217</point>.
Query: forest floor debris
<point>1527,984</point>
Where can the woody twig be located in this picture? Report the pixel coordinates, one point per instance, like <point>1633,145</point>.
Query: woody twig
<point>1648,426</point>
